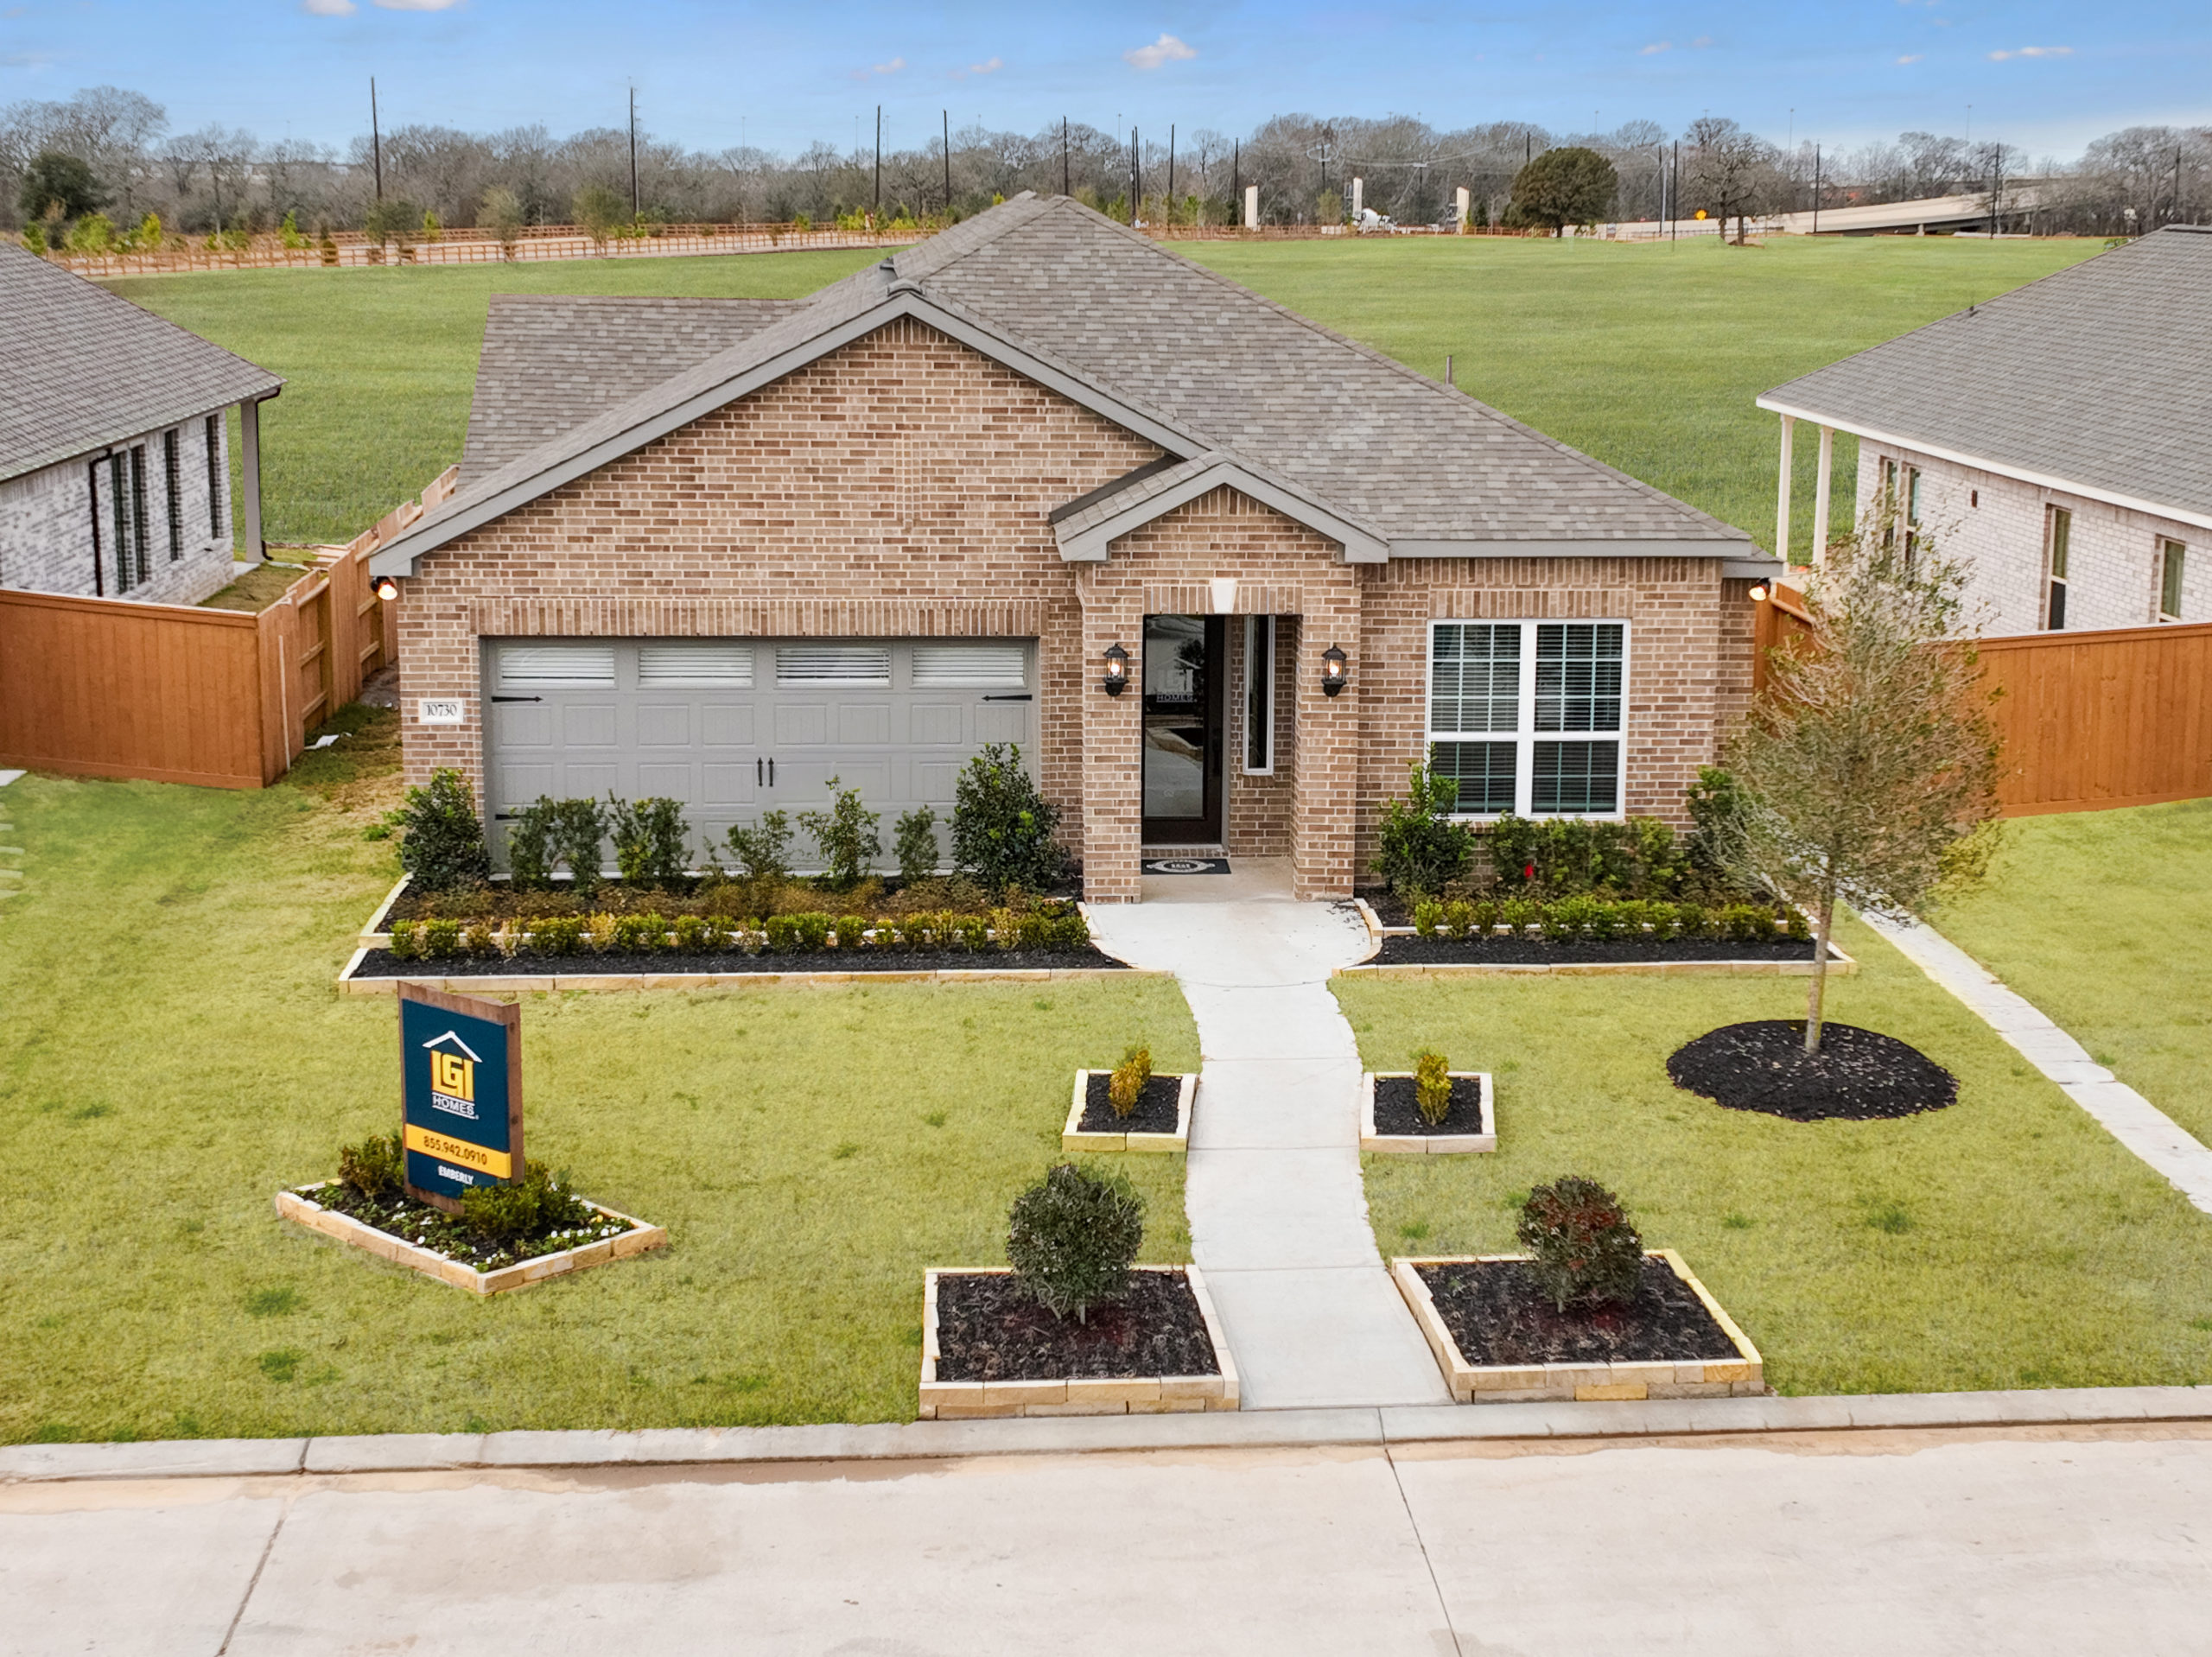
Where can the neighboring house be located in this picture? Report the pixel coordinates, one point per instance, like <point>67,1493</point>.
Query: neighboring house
<point>2057,439</point>
<point>114,461</point>
<point>727,551</point>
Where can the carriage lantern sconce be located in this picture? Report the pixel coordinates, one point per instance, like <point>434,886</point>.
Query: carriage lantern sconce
<point>1117,671</point>
<point>1333,677</point>
<point>1759,593</point>
<point>387,590</point>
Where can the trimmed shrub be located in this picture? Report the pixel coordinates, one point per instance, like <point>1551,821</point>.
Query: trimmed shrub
<point>1795,926</point>
<point>376,1168</point>
<point>572,831</point>
<point>442,842</point>
<point>1720,811</point>
<point>643,935</point>
<point>533,1204</point>
<point>1459,919</point>
<point>1607,919</point>
<point>1749,922</point>
<point>764,851</point>
<point>1487,911</point>
<point>441,940</point>
<point>1072,1238</point>
<point>650,839</point>
<point>1586,1251</point>
<point>914,844</point>
<point>846,836</point>
<point>600,929</point>
<point>406,941</point>
<point>1433,1086</point>
<point>478,940</point>
<point>557,934</point>
<point>1428,918</point>
<point>1519,914</point>
<point>852,932</point>
<point>1418,847</point>
<point>530,846</point>
<point>1127,1084</point>
<point>969,931</point>
<point>696,934</point>
<point>1002,827</point>
<point>1073,929</point>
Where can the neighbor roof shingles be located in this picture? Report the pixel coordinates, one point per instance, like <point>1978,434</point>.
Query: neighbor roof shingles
<point>86,368</point>
<point>2099,375</point>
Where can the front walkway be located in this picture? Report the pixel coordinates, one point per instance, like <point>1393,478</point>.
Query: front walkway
<point>1278,1210</point>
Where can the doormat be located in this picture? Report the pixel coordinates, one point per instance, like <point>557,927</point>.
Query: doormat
<point>1185,865</point>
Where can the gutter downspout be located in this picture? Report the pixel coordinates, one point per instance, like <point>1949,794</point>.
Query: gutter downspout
<point>250,476</point>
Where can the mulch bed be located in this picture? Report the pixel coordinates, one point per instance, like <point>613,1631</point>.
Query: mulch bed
<point>443,1234</point>
<point>1501,952</point>
<point>382,964</point>
<point>988,1330</point>
<point>500,901</point>
<point>1156,1109</point>
<point>1857,1076</point>
<point>1397,1107</point>
<point>1498,1316</point>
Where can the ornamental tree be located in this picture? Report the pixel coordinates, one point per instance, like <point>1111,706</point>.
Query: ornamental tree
<point>1573,185</point>
<point>1868,763</point>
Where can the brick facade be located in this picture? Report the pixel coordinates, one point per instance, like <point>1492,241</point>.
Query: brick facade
<point>899,486</point>
<point>47,536</point>
<point>1997,526</point>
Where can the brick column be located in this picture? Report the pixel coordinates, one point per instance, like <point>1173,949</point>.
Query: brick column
<point>1112,733</point>
<point>1326,795</point>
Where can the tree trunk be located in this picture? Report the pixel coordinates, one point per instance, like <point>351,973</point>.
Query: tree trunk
<point>1824,922</point>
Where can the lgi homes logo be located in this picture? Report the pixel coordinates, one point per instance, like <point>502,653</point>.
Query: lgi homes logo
<point>459,1062</point>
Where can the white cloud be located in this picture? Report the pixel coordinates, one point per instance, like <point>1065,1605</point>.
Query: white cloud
<point>988,66</point>
<point>416,5</point>
<point>2033,52</point>
<point>890,68</point>
<point>327,8</point>
<point>1702,42</point>
<point>1166,49</point>
<point>1912,57</point>
<point>1654,48</point>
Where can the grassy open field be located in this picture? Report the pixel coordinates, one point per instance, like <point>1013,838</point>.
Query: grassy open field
<point>2004,1241</point>
<point>2097,917</point>
<point>1646,357</point>
<point>171,1053</point>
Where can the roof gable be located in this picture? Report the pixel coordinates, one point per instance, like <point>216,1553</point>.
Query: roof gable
<point>86,368</point>
<point>2097,378</point>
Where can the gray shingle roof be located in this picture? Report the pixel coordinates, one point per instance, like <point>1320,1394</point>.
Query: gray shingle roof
<point>86,369</point>
<point>1188,358</point>
<point>2099,375</point>
<point>552,361</point>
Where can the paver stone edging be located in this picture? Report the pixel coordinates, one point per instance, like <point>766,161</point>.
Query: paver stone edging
<point>953,1400</point>
<point>548,983</point>
<point>1072,1136</point>
<point>1741,1376</point>
<point>374,934</point>
<point>1434,1144</point>
<point>304,1210</point>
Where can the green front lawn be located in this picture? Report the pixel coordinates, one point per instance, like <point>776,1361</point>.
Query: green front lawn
<point>173,1052</point>
<point>2006,1241</point>
<point>2098,917</point>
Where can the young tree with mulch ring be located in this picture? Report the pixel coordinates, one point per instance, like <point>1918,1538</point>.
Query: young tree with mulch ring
<point>1868,761</point>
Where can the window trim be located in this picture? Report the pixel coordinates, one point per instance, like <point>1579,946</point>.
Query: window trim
<point>1525,736</point>
<point>173,478</point>
<point>217,483</point>
<point>2173,570</point>
<point>1259,697</point>
<point>2058,564</point>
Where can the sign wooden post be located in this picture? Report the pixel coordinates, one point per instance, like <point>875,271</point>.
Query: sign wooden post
<point>460,1085</point>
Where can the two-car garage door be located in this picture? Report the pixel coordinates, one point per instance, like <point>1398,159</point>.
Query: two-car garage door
<point>732,728</point>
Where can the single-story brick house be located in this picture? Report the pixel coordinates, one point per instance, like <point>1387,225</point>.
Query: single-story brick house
<point>2054,439</point>
<point>115,475</point>
<point>726,550</point>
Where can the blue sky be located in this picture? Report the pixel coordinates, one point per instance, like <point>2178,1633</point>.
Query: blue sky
<point>2046,75</point>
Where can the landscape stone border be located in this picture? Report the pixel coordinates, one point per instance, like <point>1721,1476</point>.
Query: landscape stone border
<point>301,1210</point>
<point>374,934</point>
<point>964,1400</point>
<point>526,983</point>
<point>1739,1377</point>
<point>1072,1138</point>
<point>1434,1144</point>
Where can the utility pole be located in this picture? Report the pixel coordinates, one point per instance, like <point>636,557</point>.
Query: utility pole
<point>879,159</point>
<point>376,138</point>
<point>1236,176</point>
<point>1816,189</point>
<point>1064,157</point>
<point>947,116</point>
<point>1136,178</point>
<point>634,153</point>
<point>1674,225</point>
<point>1170,172</point>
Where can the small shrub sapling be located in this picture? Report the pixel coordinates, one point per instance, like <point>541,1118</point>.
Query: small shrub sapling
<point>376,1168</point>
<point>1586,1253</point>
<point>1072,1238</point>
<point>1419,847</point>
<point>1002,827</point>
<point>1126,1086</point>
<point>764,851</point>
<point>650,839</point>
<point>914,844</point>
<point>442,840</point>
<point>846,835</point>
<point>532,1206</point>
<point>1433,1086</point>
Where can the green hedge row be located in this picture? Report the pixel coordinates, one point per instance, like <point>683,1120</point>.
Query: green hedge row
<point>805,934</point>
<point>1585,917</point>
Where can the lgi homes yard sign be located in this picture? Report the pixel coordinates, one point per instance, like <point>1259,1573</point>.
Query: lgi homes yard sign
<point>461,1071</point>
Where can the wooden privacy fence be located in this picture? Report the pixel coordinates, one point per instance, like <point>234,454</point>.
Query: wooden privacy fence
<point>180,693</point>
<point>2087,721</point>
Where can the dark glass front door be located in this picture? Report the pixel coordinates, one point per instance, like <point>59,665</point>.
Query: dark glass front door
<point>1183,659</point>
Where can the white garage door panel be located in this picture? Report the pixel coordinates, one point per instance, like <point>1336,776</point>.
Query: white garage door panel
<point>709,722</point>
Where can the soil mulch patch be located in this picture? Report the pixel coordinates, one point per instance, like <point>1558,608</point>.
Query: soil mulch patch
<point>1499,951</point>
<point>988,1330</point>
<point>1397,1107</point>
<point>1499,1315</point>
<point>443,1234</point>
<point>1157,1107</point>
<point>382,964</point>
<point>1857,1076</point>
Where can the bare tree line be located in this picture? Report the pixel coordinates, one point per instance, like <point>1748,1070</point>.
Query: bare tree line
<point>226,179</point>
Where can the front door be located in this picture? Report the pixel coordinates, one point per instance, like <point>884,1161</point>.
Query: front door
<point>1183,678</point>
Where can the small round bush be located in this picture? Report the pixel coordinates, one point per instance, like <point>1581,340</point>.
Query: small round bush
<point>1072,1238</point>
<point>441,842</point>
<point>1586,1251</point>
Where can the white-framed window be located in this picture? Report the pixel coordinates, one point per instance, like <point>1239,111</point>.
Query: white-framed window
<point>2058,532</point>
<point>1901,501</point>
<point>1529,717</point>
<point>2172,561</point>
<point>1259,695</point>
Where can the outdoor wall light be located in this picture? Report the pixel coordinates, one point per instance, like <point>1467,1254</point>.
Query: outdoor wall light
<point>1759,593</point>
<point>1117,671</point>
<point>1333,676</point>
<point>387,590</point>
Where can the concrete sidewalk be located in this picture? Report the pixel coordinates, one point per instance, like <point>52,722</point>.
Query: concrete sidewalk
<point>2035,1541</point>
<point>1277,1207</point>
